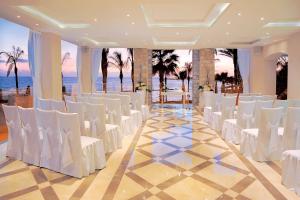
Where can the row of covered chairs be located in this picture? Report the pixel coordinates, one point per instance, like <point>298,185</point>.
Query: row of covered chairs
<point>266,129</point>
<point>52,139</point>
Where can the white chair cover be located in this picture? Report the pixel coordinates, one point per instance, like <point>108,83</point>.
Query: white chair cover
<point>294,102</point>
<point>96,100</point>
<point>257,111</point>
<point>115,117</point>
<point>32,138</point>
<point>291,170</point>
<point>209,98</point>
<point>245,98</point>
<point>15,137</point>
<point>69,98</point>
<point>78,107</point>
<point>47,125</point>
<point>139,98</point>
<point>291,136</point>
<point>80,155</point>
<point>264,143</point>
<point>83,99</point>
<point>110,134</point>
<point>58,105</point>
<point>227,112</point>
<point>284,105</point>
<point>45,104</point>
<point>231,130</point>
<point>269,97</point>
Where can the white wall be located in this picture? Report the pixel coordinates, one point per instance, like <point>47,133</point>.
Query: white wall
<point>294,66</point>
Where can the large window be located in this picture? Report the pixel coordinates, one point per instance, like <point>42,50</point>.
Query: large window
<point>14,39</point>
<point>68,60</point>
<point>119,70</point>
<point>177,74</point>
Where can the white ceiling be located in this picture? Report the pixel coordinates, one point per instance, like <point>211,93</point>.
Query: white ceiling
<point>159,23</point>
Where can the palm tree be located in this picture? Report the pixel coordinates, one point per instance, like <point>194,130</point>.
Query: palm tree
<point>233,53</point>
<point>130,59</point>
<point>182,75</point>
<point>12,60</point>
<point>104,65</point>
<point>118,62</point>
<point>164,62</point>
<point>188,66</point>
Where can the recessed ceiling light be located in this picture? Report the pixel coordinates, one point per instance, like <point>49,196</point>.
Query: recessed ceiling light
<point>267,33</point>
<point>229,22</point>
<point>227,33</point>
<point>133,23</point>
<point>128,15</point>
<point>18,16</point>
<point>126,33</point>
<point>37,24</point>
<point>239,14</point>
<point>262,19</point>
<point>177,33</point>
<point>95,19</point>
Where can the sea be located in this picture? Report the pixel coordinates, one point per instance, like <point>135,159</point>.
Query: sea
<point>7,84</point>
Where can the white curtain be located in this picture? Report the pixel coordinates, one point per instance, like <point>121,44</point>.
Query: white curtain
<point>244,59</point>
<point>34,60</point>
<point>96,61</point>
<point>78,67</point>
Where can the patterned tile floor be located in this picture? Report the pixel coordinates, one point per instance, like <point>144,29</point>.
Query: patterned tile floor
<point>174,156</point>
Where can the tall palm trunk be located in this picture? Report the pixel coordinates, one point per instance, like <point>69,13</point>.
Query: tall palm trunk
<point>161,84</point>
<point>166,86</point>
<point>16,78</point>
<point>188,79</point>
<point>132,76</point>
<point>237,73</point>
<point>104,65</point>
<point>121,79</point>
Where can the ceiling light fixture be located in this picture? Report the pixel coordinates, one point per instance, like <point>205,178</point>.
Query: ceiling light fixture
<point>133,23</point>
<point>174,43</point>
<point>49,19</point>
<point>227,33</point>
<point>126,33</point>
<point>239,14</point>
<point>37,24</point>
<point>262,19</point>
<point>105,44</point>
<point>18,16</point>
<point>267,33</point>
<point>177,33</point>
<point>95,19</point>
<point>210,19</point>
<point>229,22</point>
<point>283,24</point>
<point>128,15</point>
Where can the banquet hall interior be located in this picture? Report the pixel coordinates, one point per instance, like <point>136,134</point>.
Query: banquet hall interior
<point>150,99</point>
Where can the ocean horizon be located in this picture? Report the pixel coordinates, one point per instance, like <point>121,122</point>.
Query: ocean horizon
<point>7,84</point>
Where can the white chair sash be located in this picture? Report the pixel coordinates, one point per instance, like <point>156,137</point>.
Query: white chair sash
<point>67,157</point>
<point>297,131</point>
<point>47,152</point>
<point>27,130</point>
<point>273,128</point>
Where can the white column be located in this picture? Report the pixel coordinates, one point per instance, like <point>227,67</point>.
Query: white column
<point>294,66</point>
<point>50,71</point>
<point>84,68</point>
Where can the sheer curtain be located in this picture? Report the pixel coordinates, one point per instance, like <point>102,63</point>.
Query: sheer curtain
<point>244,59</point>
<point>96,61</point>
<point>34,60</point>
<point>78,67</point>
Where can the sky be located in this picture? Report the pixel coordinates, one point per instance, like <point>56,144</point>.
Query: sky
<point>14,34</point>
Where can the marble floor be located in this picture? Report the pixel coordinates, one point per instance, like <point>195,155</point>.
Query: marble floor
<point>173,156</point>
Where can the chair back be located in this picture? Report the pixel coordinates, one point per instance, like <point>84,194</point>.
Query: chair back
<point>269,97</point>
<point>136,101</point>
<point>96,118</point>
<point>125,104</point>
<point>114,111</point>
<point>32,138</point>
<point>284,105</point>
<point>268,139</point>
<point>71,150</point>
<point>96,100</point>
<point>258,98</point>
<point>47,125</point>
<point>82,99</point>
<point>15,138</point>
<point>245,114</point>
<point>69,98</point>
<point>228,107</point>
<point>45,104</point>
<point>58,105</point>
<point>208,98</point>
<point>293,102</point>
<point>291,136</point>
<point>245,98</point>
<point>78,107</point>
<point>257,111</point>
